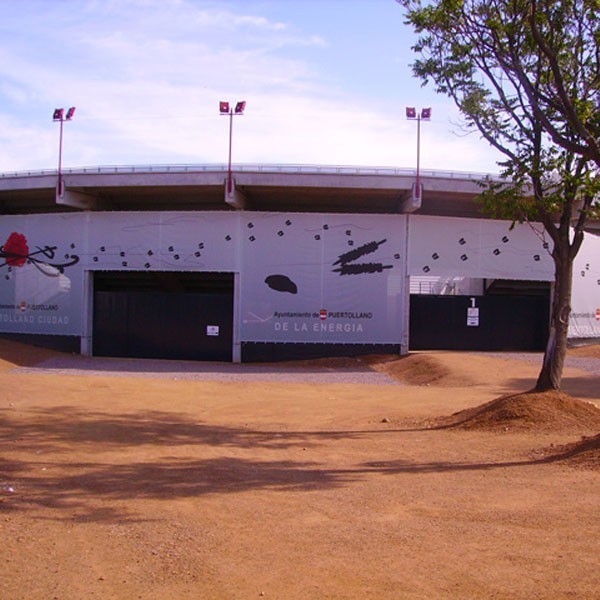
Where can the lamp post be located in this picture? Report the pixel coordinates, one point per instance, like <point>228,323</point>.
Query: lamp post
<point>423,115</point>
<point>225,109</point>
<point>59,115</point>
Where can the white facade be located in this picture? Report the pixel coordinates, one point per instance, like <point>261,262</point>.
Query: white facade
<point>312,277</point>
<point>585,313</point>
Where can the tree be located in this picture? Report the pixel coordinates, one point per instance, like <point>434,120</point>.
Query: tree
<point>573,99</point>
<point>526,75</point>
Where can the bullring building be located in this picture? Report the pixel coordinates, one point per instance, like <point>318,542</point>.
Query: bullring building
<point>289,262</point>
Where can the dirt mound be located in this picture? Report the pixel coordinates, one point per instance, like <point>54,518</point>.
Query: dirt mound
<point>15,354</point>
<point>420,369</point>
<point>411,369</point>
<point>436,369</point>
<point>585,453</point>
<point>540,411</point>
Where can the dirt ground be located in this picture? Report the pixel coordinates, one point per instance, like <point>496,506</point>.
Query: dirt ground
<point>129,487</point>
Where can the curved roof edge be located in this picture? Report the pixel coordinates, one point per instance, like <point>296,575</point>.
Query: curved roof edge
<point>254,168</point>
<point>280,188</point>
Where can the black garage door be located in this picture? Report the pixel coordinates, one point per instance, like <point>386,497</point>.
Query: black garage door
<point>186,316</point>
<point>504,323</point>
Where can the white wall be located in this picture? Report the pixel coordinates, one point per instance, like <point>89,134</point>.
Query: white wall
<point>292,267</point>
<point>303,277</point>
<point>585,314</point>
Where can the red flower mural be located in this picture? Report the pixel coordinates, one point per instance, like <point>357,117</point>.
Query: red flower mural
<point>15,253</point>
<point>16,250</point>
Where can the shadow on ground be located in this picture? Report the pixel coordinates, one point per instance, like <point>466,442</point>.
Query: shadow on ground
<point>584,387</point>
<point>105,491</point>
<point>49,430</point>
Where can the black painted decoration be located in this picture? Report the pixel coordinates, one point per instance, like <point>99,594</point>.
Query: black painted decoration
<point>281,283</point>
<point>361,268</point>
<point>348,266</point>
<point>358,253</point>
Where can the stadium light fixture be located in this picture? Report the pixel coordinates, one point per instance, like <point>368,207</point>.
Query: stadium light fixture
<point>60,116</point>
<point>413,115</point>
<point>226,109</point>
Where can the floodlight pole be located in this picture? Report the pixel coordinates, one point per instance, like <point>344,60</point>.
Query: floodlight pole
<point>413,115</point>
<point>418,155</point>
<point>60,145</point>
<point>225,109</point>
<point>59,115</point>
<point>229,173</point>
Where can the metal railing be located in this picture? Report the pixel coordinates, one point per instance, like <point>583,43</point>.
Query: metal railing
<point>253,168</point>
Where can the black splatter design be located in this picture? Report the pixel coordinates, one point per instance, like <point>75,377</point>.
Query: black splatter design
<point>358,252</point>
<point>361,268</point>
<point>348,266</point>
<point>281,283</point>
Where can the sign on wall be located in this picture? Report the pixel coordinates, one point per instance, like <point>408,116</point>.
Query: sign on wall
<point>41,274</point>
<point>323,278</point>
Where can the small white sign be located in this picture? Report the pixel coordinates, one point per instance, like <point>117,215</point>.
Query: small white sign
<point>472,317</point>
<point>212,330</point>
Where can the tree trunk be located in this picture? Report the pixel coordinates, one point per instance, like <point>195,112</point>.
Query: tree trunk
<point>554,357</point>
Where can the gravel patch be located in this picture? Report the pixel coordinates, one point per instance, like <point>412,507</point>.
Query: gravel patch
<point>591,365</point>
<point>206,371</point>
<point>271,372</point>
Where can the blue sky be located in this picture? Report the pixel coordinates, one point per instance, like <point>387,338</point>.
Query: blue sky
<point>326,83</point>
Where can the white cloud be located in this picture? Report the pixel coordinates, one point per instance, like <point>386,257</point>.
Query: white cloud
<point>147,75</point>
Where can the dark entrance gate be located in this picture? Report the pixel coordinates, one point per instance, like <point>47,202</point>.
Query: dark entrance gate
<point>505,322</point>
<point>186,316</point>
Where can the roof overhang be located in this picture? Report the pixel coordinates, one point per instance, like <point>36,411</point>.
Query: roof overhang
<point>265,188</point>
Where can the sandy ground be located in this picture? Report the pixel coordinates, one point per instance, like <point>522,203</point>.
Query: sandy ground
<point>141,487</point>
